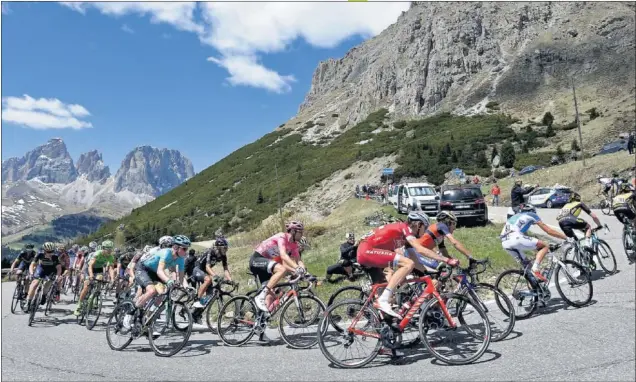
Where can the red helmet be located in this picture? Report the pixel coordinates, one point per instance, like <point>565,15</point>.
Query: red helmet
<point>294,225</point>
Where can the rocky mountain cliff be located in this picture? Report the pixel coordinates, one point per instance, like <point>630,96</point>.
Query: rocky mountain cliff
<point>147,170</point>
<point>45,184</point>
<point>92,165</point>
<point>458,57</point>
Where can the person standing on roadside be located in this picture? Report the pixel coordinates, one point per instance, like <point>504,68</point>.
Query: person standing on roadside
<point>495,191</point>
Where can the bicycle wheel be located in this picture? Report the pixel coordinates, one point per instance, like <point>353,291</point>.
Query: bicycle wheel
<point>35,303</point>
<point>299,314</point>
<point>519,291</point>
<point>628,243</point>
<point>17,296</point>
<point>575,277</point>
<point>238,315</point>
<point>502,321</point>
<point>367,328</point>
<point>115,326</point>
<point>606,257</point>
<point>93,308</point>
<point>435,329</point>
<point>349,292</point>
<point>49,298</point>
<point>176,310</point>
<point>606,206</point>
<point>212,313</point>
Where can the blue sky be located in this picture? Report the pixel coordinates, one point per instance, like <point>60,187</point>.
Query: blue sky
<point>203,79</point>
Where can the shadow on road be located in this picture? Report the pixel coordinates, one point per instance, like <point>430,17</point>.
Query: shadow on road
<point>489,356</point>
<point>195,348</point>
<point>512,336</point>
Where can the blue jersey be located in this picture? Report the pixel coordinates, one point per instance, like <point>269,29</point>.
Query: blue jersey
<point>165,255</point>
<point>520,223</point>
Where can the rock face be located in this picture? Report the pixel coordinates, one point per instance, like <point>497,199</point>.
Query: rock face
<point>49,163</point>
<point>92,165</point>
<point>457,57</point>
<point>152,171</point>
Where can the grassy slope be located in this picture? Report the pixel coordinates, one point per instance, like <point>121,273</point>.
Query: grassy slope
<point>482,241</point>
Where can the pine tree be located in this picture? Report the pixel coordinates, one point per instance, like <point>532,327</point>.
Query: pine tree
<point>480,160</point>
<point>508,155</point>
<point>454,157</point>
<point>260,199</point>
<point>575,145</point>
<point>549,132</point>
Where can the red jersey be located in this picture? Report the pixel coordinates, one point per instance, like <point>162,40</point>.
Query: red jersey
<point>390,236</point>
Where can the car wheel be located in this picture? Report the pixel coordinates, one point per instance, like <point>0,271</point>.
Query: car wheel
<point>549,204</point>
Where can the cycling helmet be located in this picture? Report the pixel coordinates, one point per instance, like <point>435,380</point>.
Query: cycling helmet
<point>294,225</point>
<point>220,242</point>
<point>303,242</point>
<point>166,241</point>
<point>48,247</point>
<point>181,241</point>
<point>192,252</point>
<point>419,216</point>
<point>107,244</point>
<point>28,246</point>
<point>117,251</point>
<point>84,249</point>
<point>350,236</point>
<point>527,208</point>
<point>575,196</point>
<point>446,217</point>
<point>75,247</point>
<point>130,249</point>
<point>147,248</point>
<point>61,247</point>
<point>92,245</point>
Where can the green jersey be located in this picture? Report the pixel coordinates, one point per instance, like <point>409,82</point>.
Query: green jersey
<point>101,259</point>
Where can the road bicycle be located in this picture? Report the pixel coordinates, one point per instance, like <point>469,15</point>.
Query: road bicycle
<point>39,296</point>
<point>213,301</point>
<point>240,313</point>
<point>440,317</point>
<point>522,286</point>
<point>158,317</point>
<point>93,302</point>
<point>629,242</point>
<point>600,249</point>
<point>23,280</point>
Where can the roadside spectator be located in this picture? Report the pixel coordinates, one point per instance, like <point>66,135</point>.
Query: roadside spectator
<point>495,191</point>
<point>476,179</point>
<point>630,143</point>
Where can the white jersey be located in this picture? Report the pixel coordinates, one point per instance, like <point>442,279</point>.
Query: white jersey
<point>149,254</point>
<point>520,223</point>
<point>605,181</point>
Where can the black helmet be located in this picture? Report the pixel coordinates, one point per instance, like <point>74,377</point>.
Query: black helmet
<point>28,246</point>
<point>192,251</point>
<point>575,196</point>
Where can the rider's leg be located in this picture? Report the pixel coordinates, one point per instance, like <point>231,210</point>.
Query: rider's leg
<point>543,250</point>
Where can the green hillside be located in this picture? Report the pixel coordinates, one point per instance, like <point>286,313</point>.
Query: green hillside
<point>238,192</point>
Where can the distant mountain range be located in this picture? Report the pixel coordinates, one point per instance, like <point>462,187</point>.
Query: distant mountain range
<point>46,185</point>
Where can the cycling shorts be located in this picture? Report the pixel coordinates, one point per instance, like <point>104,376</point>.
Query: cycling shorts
<point>262,267</point>
<point>376,258</point>
<point>23,264</point>
<point>516,244</point>
<point>412,254</point>
<point>568,225</point>
<point>41,272</point>
<point>198,275</point>
<point>96,271</point>
<point>122,272</point>
<point>145,276</point>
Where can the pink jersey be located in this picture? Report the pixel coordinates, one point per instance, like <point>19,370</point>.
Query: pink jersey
<point>269,248</point>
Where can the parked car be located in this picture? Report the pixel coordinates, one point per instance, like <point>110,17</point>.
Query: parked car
<point>465,201</point>
<point>612,147</point>
<point>529,169</point>
<point>549,197</point>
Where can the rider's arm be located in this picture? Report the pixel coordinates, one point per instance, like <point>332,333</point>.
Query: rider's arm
<point>90,267</point>
<point>32,266</point>
<point>160,271</point>
<point>592,214</point>
<point>208,268</point>
<point>59,269</point>
<point>458,246</point>
<point>15,262</point>
<point>288,263</point>
<point>226,269</point>
<point>550,231</point>
<point>425,251</point>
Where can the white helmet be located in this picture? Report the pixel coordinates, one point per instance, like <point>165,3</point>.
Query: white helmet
<point>92,245</point>
<point>166,241</point>
<point>147,248</point>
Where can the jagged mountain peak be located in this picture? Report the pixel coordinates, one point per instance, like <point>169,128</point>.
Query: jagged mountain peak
<point>92,166</point>
<point>50,163</point>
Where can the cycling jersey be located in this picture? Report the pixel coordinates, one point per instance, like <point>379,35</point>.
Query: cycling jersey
<point>25,257</point>
<point>269,248</point>
<point>45,266</point>
<point>65,260</point>
<point>125,259</point>
<point>378,249</point>
<point>520,223</point>
<point>151,252</point>
<point>190,263</point>
<point>573,210</point>
<point>211,258</point>
<point>135,260</point>
<point>102,258</point>
<point>165,255</point>
<point>434,236</point>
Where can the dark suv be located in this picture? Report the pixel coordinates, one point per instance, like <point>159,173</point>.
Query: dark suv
<point>464,201</point>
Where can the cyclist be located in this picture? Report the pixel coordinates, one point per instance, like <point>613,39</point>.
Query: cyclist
<point>99,261</point>
<point>24,259</point>
<point>378,251</point>
<point>434,237</point>
<point>625,204</point>
<point>78,265</point>
<point>44,265</point>
<point>152,270</point>
<point>569,219</point>
<point>122,264</point>
<point>164,242</point>
<point>271,261</point>
<point>65,260</point>
<point>203,272</point>
<point>348,251</point>
<point>515,242</point>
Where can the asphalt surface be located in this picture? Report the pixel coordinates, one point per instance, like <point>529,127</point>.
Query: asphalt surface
<point>559,343</point>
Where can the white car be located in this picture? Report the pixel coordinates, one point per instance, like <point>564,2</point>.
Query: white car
<point>549,197</point>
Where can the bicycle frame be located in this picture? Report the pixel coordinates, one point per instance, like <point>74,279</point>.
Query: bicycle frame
<point>427,292</point>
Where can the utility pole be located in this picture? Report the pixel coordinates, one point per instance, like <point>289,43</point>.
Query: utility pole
<point>280,210</point>
<point>578,121</point>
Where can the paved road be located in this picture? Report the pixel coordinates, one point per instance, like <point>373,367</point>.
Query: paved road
<point>591,343</point>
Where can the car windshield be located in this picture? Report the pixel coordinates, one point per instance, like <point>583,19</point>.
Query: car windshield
<point>563,191</point>
<point>421,191</point>
<point>464,193</point>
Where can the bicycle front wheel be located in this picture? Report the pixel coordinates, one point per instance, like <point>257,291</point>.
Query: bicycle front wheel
<point>467,325</point>
<point>302,315</point>
<point>606,257</point>
<point>17,296</point>
<point>576,279</point>
<point>35,303</point>
<point>175,334</point>
<point>628,243</point>
<point>502,321</point>
<point>93,309</point>
<point>117,336</point>
<point>519,291</point>
<point>238,317</point>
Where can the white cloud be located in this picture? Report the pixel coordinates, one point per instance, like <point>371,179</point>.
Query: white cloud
<point>127,29</point>
<point>241,31</point>
<point>44,113</point>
